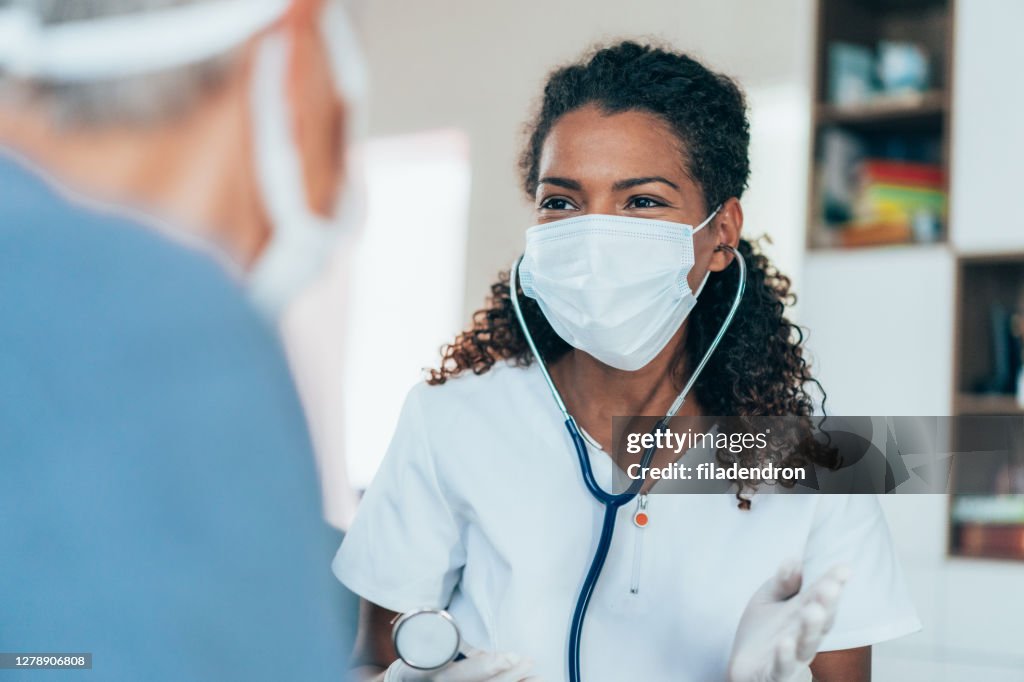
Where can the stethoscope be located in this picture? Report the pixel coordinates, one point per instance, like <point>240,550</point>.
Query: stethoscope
<point>611,501</point>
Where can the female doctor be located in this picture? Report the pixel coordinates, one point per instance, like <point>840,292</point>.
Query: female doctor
<point>635,165</point>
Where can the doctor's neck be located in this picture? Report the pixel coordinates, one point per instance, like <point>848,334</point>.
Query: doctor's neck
<point>595,392</point>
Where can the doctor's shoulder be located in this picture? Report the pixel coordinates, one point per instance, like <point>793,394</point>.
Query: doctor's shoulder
<point>460,400</point>
<point>489,365</point>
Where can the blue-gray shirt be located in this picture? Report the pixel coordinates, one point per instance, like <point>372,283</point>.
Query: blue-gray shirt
<point>158,499</point>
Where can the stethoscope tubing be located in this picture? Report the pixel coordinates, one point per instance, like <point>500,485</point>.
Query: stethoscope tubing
<point>611,501</point>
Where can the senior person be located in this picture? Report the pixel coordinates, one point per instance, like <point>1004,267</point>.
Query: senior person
<point>163,164</point>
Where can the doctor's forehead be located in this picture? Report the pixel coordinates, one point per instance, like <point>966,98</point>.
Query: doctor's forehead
<point>596,148</point>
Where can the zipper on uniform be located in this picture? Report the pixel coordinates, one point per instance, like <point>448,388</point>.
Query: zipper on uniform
<point>640,519</point>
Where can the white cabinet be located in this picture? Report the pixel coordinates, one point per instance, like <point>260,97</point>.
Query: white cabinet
<point>880,328</point>
<point>987,170</point>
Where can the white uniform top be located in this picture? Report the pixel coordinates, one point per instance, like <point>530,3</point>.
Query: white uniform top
<point>479,507</point>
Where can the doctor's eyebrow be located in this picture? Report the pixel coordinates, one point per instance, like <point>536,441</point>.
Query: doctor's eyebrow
<point>634,182</point>
<point>561,182</point>
<point>618,186</point>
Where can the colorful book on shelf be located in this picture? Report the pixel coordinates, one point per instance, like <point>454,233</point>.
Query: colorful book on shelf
<point>992,540</point>
<point>988,509</point>
<point>902,173</point>
<point>895,202</point>
<point>874,233</point>
<point>898,202</point>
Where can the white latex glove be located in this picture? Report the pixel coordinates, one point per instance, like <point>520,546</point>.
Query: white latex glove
<point>478,666</point>
<point>782,626</point>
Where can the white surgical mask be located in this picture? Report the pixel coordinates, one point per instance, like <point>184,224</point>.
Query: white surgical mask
<point>612,286</point>
<point>302,241</point>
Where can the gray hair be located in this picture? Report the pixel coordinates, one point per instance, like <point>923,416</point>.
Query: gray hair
<point>136,100</point>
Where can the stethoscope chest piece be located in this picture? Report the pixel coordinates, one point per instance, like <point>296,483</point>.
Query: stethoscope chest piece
<point>426,639</point>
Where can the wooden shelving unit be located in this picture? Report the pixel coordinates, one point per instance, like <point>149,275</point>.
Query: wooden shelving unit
<point>982,404</point>
<point>908,126</point>
<point>987,357</point>
<point>988,288</point>
<point>923,110</point>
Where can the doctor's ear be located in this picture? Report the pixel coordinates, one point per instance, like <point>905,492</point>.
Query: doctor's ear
<point>726,228</point>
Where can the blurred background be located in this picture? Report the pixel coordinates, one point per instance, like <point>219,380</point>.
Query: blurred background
<point>886,149</point>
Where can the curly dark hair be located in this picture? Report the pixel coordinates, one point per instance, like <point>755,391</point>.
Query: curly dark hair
<point>758,368</point>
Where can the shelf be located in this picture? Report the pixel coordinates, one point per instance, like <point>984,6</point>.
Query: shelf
<point>987,343</point>
<point>993,258</point>
<point>910,126</point>
<point>829,239</point>
<point>988,540</point>
<point>918,111</point>
<point>981,404</point>
<point>903,5</point>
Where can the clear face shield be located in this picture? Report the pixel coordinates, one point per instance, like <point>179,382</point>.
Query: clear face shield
<point>133,45</point>
<point>127,45</point>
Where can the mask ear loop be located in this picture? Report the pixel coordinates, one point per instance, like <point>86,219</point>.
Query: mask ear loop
<point>708,219</point>
<point>741,285</point>
<point>697,229</point>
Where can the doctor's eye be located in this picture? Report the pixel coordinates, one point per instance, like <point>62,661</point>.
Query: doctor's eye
<point>556,204</point>
<point>643,202</point>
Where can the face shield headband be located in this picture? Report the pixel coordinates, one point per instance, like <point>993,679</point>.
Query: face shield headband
<point>128,45</point>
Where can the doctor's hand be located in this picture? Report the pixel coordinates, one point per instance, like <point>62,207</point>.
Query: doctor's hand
<point>783,626</point>
<point>478,666</point>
